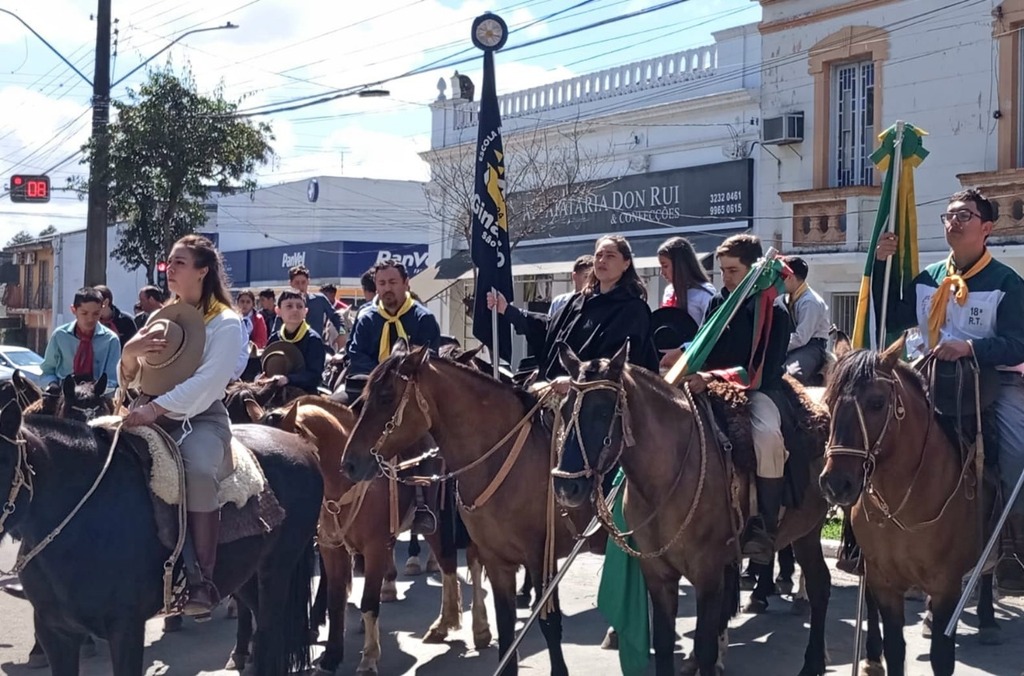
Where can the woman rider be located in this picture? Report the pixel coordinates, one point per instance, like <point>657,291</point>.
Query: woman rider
<point>191,411</point>
<point>611,308</point>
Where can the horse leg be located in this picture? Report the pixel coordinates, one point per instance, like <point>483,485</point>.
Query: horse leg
<point>318,615</point>
<point>336,562</point>
<point>412,564</point>
<point>376,556</point>
<point>62,650</point>
<point>551,628</point>
<point>664,606</point>
<point>710,597</point>
<point>524,596</point>
<point>943,649</point>
<point>284,583</point>
<point>389,590</point>
<point>765,587</point>
<point>503,585</point>
<point>481,626</point>
<point>450,618</point>
<point>819,581</point>
<point>989,632</point>
<point>127,642</point>
<point>244,597</point>
<point>873,663</point>
<point>36,657</point>
<point>890,607</point>
<point>787,568</point>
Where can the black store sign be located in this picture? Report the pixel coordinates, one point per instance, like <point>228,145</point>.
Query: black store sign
<point>678,198</point>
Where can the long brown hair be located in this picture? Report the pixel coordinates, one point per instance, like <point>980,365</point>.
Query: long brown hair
<point>630,278</point>
<point>687,272</point>
<point>205,255</point>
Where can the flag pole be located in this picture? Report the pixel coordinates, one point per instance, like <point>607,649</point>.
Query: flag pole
<point>890,225</point>
<point>495,338</point>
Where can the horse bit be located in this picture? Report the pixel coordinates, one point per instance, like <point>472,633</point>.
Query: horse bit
<point>600,468</point>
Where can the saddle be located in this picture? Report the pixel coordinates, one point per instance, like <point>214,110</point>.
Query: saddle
<point>951,386</point>
<point>248,506</point>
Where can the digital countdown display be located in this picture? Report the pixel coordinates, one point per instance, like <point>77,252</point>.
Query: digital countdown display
<point>30,189</point>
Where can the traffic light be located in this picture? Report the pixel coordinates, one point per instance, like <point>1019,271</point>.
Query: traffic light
<point>161,275</point>
<point>27,189</point>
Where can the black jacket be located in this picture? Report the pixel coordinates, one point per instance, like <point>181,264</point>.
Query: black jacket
<point>314,355</point>
<point>124,326</point>
<point>594,327</point>
<point>734,346</point>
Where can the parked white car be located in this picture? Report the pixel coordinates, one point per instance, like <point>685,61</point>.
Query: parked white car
<point>28,362</point>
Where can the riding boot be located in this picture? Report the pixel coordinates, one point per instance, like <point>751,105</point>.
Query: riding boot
<point>759,545</point>
<point>424,522</point>
<point>849,559</point>
<point>203,597</point>
<point>14,589</point>
<point>1010,568</point>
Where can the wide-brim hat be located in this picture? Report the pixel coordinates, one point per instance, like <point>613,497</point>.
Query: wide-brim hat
<point>185,331</point>
<point>671,327</point>
<point>281,358</point>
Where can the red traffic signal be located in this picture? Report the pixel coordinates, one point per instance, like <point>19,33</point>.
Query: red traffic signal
<point>161,266</point>
<point>30,189</point>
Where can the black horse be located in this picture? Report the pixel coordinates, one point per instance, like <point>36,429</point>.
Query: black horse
<point>102,574</point>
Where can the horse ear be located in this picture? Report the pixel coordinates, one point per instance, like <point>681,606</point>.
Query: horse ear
<point>10,420</point>
<point>100,386</point>
<point>842,345</point>
<point>68,387</point>
<point>468,356</point>
<point>892,354</point>
<point>570,362</point>
<point>254,410</point>
<point>416,359</point>
<point>290,420</point>
<point>401,347</point>
<point>619,360</point>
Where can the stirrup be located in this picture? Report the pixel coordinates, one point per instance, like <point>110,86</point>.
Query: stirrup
<point>424,522</point>
<point>201,601</point>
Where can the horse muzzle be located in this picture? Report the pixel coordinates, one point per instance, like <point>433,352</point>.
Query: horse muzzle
<point>361,468</point>
<point>571,493</point>
<point>839,487</point>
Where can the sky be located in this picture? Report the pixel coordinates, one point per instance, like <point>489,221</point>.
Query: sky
<point>284,50</point>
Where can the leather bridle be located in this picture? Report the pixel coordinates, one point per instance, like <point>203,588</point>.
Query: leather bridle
<point>605,460</point>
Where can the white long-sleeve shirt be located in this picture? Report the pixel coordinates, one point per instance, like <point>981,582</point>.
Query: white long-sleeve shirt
<point>811,318</point>
<point>220,357</point>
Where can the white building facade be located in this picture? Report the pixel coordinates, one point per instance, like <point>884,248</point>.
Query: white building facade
<point>655,148</point>
<point>851,69</point>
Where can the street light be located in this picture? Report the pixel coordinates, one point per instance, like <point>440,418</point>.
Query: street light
<point>133,71</point>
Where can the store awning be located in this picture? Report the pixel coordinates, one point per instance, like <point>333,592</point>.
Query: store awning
<point>429,284</point>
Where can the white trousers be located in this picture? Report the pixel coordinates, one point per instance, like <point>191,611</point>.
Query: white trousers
<point>769,446</point>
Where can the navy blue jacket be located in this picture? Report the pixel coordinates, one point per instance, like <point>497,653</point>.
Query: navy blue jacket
<point>364,346</point>
<point>312,348</point>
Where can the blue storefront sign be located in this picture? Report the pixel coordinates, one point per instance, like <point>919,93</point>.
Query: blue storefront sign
<point>338,259</point>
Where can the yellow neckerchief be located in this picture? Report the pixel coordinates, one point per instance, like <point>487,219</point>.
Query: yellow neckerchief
<point>213,308</point>
<point>955,285</point>
<point>794,297</point>
<point>300,333</point>
<point>385,335</point>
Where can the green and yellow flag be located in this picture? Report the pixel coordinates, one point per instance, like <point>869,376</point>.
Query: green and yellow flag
<point>905,264</point>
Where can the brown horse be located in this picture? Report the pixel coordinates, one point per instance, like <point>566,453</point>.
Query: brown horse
<point>355,518</point>
<point>503,493</point>
<point>677,501</point>
<point>915,528</point>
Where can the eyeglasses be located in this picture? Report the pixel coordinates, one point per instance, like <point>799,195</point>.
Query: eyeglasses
<point>963,216</point>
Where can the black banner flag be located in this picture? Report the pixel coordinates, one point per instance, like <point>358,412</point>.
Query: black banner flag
<point>490,246</point>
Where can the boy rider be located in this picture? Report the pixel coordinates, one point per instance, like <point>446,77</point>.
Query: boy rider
<point>83,348</point>
<point>291,309</point>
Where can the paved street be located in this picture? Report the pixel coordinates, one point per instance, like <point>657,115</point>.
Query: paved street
<point>768,645</point>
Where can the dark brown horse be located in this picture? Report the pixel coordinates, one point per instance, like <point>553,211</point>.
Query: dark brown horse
<point>357,518</point>
<point>503,494</point>
<point>912,498</point>
<point>677,501</point>
<point>78,399</point>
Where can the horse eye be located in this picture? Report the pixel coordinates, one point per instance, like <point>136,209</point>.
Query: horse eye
<point>876,403</point>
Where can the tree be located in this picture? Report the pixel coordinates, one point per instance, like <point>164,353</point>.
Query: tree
<point>20,238</point>
<point>170,148</point>
<point>48,230</point>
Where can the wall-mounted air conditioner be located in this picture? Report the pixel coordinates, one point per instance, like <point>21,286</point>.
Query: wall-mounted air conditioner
<point>30,257</point>
<point>787,128</point>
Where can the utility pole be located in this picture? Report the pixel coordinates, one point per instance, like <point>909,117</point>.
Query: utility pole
<point>99,170</point>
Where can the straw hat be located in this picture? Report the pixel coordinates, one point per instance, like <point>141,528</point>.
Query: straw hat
<point>185,331</point>
<point>281,358</point>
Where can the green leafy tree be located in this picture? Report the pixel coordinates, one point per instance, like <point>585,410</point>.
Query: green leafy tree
<point>170,148</point>
<point>47,231</point>
<point>20,238</point>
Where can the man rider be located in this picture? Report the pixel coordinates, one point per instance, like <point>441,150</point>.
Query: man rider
<point>809,311</point>
<point>736,255</point>
<point>972,305</point>
<point>393,314</point>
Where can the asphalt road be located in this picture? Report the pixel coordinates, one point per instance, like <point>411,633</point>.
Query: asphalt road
<point>766,645</point>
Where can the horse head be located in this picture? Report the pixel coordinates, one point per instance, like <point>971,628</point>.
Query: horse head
<point>15,470</point>
<point>83,400</point>
<point>394,415</point>
<point>592,413</point>
<point>865,398</point>
<point>26,391</point>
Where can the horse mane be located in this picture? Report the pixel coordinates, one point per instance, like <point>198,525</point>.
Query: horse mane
<point>343,413</point>
<point>648,380</point>
<point>855,369</point>
<point>244,389</point>
<point>67,433</point>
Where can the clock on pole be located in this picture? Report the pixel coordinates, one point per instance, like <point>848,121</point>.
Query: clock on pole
<point>489,32</point>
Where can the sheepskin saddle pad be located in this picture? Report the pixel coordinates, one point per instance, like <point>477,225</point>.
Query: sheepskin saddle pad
<point>248,505</point>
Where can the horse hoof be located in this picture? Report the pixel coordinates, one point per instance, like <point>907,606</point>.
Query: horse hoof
<point>869,668</point>
<point>784,586</point>
<point>232,610</point>
<point>88,650</point>
<point>366,669</point>
<point>236,662</point>
<point>800,607</point>
<point>522,601</point>
<point>482,640</point>
<point>173,623</point>
<point>990,636</point>
<point>413,567</point>
<point>388,594</point>
<point>435,635</point>
<point>432,565</point>
<point>38,662</point>
<point>611,640</point>
<point>755,606</point>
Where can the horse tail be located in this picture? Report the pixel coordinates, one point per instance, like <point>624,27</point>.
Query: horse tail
<point>730,596</point>
<point>454,535</point>
<point>296,624</point>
